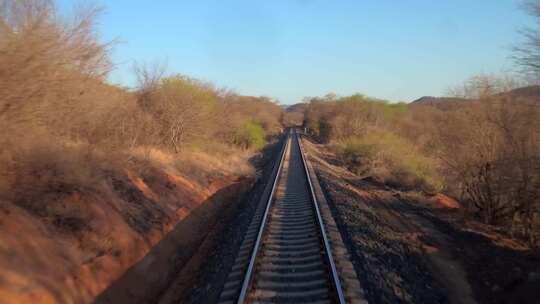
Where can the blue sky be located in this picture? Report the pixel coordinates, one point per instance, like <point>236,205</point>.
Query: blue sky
<point>397,50</point>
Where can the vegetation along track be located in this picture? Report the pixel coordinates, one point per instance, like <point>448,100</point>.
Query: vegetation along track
<point>292,251</point>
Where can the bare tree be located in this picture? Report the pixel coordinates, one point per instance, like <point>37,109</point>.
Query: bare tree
<point>490,147</point>
<point>148,77</point>
<point>527,55</point>
<point>485,85</point>
<point>181,107</point>
<point>45,59</point>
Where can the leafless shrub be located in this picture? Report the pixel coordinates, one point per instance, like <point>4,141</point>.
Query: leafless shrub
<point>37,171</point>
<point>332,118</point>
<point>45,59</point>
<point>292,119</point>
<point>486,149</point>
<point>149,77</point>
<point>527,55</point>
<point>317,117</point>
<point>182,108</point>
<point>491,149</point>
<point>485,85</point>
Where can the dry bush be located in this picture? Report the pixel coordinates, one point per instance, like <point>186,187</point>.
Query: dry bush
<point>331,118</point>
<point>45,60</point>
<point>486,150</point>
<point>484,85</point>
<point>201,165</point>
<point>391,159</point>
<point>292,119</point>
<point>108,118</point>
<point>50,67</point>
<point>491,151</point>
<point>53,73</point>
<point>63,126</point>
<point>188,112</point>
<point>354,115</point>
<point>37,174</point>
<point>317,115</point>
<point>238,110</point>
<point>246,122</point>
<point>225,164</point>
<point>371,139</point>
<point>418,125</point>
<point>527,54</point>
<point>183,108</point>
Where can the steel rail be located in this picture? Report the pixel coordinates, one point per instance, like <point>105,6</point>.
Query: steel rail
<point>329,256</point>
<point>249,272</point>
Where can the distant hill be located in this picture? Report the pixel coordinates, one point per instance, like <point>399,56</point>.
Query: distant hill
<point>298,107</point>
<point>529,94</point>
<point>442,103</point>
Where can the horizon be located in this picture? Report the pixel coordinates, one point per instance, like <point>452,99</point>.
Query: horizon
<point>287,51</point>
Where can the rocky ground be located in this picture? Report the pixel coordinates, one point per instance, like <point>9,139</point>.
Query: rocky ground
<point>411,248</point>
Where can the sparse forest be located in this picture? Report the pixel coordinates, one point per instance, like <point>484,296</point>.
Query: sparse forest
<point>481,146</point>
<point>485,151</point>
<point>56,104</point>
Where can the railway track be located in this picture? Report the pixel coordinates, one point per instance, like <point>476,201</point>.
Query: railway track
<point>286,255</point>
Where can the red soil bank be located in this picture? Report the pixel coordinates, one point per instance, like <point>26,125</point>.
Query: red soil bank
<point>83,240</point>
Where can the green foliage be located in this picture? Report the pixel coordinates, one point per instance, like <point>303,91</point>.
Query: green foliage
<point>183,110</point>
<point>370,139</point>
<point>391,158</point>
<point>191,113</point>
<point>262,110</point>
<point>315,117</point>
<point>337,119</point>
<point>394,110</point>
<point>249,135</point>
<point>190,89</point>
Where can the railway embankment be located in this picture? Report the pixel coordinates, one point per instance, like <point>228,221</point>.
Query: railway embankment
<point>119,238</point>
<point>408,247</point>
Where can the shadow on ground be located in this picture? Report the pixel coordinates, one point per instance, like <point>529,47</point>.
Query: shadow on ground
<point>148,278</point>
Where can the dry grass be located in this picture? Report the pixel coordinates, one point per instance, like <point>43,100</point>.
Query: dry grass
<point>391,159</point>
<point>38,171</point>
<point>227,161</point>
